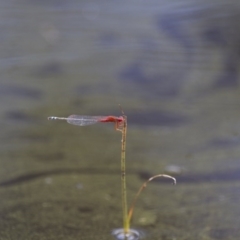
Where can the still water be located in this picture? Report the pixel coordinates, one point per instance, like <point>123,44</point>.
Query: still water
<point>173,67</point>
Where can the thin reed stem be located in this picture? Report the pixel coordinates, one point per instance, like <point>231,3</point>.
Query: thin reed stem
<point>144,185</point>
<point>123,176</point>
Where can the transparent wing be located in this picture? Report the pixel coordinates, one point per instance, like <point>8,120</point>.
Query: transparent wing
<point>83,120</point>
<point>79,120</point>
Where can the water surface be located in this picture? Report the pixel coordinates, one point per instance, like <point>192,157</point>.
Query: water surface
<point>175,70</point>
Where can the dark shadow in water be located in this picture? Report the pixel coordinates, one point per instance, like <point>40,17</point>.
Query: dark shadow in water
<point>226,176</point>
<point>230,75</point>
<point>157,118</point>
<point>18,91</point>
<point>32,176</point>
<point>219,143</point>
<point>18,116</point>
<point>215,35</point>
<point>175,24</point>
<point>136,73</point>
<point>49,70</point>
<point>225,142</point>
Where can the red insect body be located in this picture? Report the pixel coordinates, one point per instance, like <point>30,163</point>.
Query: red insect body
<point>112,119</point>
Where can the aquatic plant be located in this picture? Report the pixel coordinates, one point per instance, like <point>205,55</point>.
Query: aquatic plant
<point>125,233</point>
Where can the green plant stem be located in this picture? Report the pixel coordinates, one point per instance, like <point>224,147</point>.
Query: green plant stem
<point>123,177</point>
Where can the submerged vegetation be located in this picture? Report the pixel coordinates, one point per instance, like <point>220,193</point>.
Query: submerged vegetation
<point>125,233</point>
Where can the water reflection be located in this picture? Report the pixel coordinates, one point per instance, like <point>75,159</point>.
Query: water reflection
<point>132,235</point>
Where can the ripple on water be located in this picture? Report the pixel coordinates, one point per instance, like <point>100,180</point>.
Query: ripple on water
<point>119,234</point>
